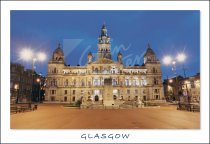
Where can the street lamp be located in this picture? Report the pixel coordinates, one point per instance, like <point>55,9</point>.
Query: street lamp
<point>39,81</point>
<point>170,81</point>
<point>28,54</point>
<point>16,87</point>
<point>168,60</point>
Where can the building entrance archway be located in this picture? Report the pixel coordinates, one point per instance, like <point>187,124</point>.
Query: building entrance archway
<point>96,98</point>
<point>114,97</point>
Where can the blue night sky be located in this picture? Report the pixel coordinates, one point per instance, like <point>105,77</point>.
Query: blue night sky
<point>168,32</point>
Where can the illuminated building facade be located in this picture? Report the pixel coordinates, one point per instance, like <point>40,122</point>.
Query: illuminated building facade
<point>68,84</point>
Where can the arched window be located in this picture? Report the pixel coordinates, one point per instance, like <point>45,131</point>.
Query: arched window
<point>136,91</point>
<point>136,98</point>
<point>155,81</point>
<point>96,70</point>
<point>74,91</point>
<point>66,82</point>
<point>52,98</point>
<point>114,97</point>
<point>89,83</point>
<point>74,82</point>
<point>121,97</point>
<point>96,82</point>
<point>96,98</point>
<point>73,99</point>
<point>127,82</point>
<point>53,82</point>
<point>153,70</point>
<point>135,82</point>
<point>65,99</point>
<point>82,83</point>
<point>114,82</point>
<point>54,71</point>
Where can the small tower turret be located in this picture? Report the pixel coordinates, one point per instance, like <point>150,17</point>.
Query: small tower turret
<point>119,57</point>
<point>58,55</point>
<point>90,57</point>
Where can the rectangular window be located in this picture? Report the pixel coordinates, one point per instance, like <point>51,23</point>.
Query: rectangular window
<point>74,91</point>
<point>127,82</point>
<point>65,91</point>
<point>192,84</point>
<point>136,91</point>
<point>128,91</point>
<point>96,82</point>
<point>156,90</point>
<point>66,82</point>
<point>114,82</point>
<point>73,99</point>
<point>53,92</point>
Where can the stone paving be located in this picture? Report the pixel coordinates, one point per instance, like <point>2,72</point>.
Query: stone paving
<point>55,116</point>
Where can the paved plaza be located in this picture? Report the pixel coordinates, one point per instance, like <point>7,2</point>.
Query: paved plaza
<point>55,116</point>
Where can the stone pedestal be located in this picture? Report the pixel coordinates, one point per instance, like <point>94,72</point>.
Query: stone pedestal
<point>140,104</point>
<point>108,93</point>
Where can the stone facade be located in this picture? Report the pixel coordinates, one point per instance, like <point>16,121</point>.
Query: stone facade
<point>20,83</point>
<point>22,88</point>
<point>68,84</point>
<point>183,89</point>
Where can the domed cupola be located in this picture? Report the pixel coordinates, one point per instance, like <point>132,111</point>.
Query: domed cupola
<point>58,55</point>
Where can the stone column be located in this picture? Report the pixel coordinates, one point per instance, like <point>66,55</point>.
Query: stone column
<point>108,93</point>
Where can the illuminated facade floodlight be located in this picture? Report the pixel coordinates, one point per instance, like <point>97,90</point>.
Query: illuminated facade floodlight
<point>167,60</point>
<point>181,57</point>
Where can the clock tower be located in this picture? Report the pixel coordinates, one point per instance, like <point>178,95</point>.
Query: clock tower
<point>104,46</point>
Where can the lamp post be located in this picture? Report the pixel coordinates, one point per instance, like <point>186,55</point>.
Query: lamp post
<point>168,60</point>
<point>39,81</point>
<point>187,93</point>
<point>28,55</point>
<point>16,87</point>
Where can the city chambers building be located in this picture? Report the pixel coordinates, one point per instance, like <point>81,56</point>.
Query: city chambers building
<point>104,82</point>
